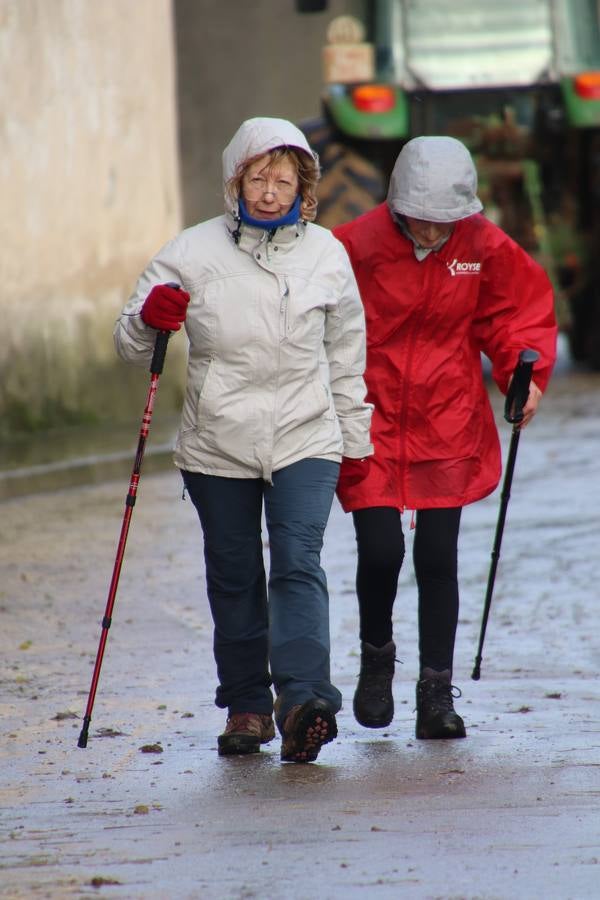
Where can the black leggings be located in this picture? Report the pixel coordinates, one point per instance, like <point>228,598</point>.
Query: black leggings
<point>380,543</point>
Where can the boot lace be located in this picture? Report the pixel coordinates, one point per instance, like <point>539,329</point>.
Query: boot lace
<point>438,695</point>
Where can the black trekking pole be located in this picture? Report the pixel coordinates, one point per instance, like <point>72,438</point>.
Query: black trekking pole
<point>516,398</point>
<point>156,367</point>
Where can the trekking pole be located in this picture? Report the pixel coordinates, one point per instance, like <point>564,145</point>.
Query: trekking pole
<point>156,367</point>
<point>516,398</point>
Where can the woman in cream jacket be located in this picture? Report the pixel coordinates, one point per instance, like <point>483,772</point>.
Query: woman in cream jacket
<point>275,398</point>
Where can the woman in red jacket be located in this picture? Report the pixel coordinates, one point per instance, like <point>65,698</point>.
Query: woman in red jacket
<point>440,284</point>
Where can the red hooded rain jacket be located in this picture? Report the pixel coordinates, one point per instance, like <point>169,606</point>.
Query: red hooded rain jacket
<point>436,441</point>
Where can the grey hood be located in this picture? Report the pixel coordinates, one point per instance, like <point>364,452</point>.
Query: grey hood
<point>255,137</point>
<point>434,179</point>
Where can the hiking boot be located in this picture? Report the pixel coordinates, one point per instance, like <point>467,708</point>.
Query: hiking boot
<point>306,728</point>
<point>373,701</point>
<point>244,733</point>
<point>436,717</point>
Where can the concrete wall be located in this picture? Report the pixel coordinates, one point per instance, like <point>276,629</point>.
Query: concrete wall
<point>89,188</point>
<point>113,118</point>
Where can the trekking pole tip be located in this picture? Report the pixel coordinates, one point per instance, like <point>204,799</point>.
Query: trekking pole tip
<point>476,673</point>
<point>83,736</point>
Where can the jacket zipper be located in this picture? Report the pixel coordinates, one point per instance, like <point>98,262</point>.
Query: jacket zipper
<point>284,307</point>
<point>283,316</point>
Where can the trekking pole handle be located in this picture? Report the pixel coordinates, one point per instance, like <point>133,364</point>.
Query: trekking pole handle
<point>162,340</point>
<point>518,391</point>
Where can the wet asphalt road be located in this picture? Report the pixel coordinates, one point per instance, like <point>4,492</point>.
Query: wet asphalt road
<point>513,811</point>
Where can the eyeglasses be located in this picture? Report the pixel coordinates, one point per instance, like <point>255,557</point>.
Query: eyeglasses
<point>257,186</point>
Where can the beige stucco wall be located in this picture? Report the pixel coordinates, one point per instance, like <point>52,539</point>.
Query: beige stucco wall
<point>113,118</point>
<point>89,189</point>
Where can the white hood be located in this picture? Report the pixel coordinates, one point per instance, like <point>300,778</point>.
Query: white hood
<point>257,136</point>
<point>434,179</point>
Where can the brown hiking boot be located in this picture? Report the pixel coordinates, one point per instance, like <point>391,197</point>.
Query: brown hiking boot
<point>306,729</point>
<point>245,732</point>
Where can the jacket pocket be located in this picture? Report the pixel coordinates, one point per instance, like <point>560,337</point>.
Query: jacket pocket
<point>306,309</point>
<point>205,402</point>
<point>197,382</point>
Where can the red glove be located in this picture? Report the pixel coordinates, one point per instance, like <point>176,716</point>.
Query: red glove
<point>353,471</point>
<point>165,308</point>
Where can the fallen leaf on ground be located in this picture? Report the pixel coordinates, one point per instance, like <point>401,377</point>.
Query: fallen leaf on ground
<point>97,881</point>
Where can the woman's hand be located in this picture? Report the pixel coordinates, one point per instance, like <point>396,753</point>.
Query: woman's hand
<point>530,408</point>
<point>165,307</point>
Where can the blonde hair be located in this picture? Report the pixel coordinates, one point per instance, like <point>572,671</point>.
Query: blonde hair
<point>307,168</point>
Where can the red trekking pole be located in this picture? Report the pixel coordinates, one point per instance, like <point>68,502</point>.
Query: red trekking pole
<point>156,367</point>
<point>516,399</point>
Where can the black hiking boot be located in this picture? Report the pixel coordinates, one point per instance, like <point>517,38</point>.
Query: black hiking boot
<point>436,717</point>
<point>373,701</point>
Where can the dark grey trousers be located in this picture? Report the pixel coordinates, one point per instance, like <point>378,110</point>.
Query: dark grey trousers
<point>278,634</point>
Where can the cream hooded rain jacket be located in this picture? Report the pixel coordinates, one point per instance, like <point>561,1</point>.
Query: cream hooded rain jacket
<point>276,336</point>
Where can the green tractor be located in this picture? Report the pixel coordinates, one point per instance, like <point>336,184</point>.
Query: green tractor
<point>518,82</point>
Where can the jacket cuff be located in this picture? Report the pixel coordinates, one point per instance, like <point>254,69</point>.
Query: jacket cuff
<point>359,452</point>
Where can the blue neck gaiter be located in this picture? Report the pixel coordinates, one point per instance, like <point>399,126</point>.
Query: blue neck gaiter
<point>290,218</point>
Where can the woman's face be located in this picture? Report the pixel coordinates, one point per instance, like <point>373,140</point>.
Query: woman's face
<point>428,235</point>
<point>269,190</point>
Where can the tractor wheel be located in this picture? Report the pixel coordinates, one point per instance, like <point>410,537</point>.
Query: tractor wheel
<point>350,184</point>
